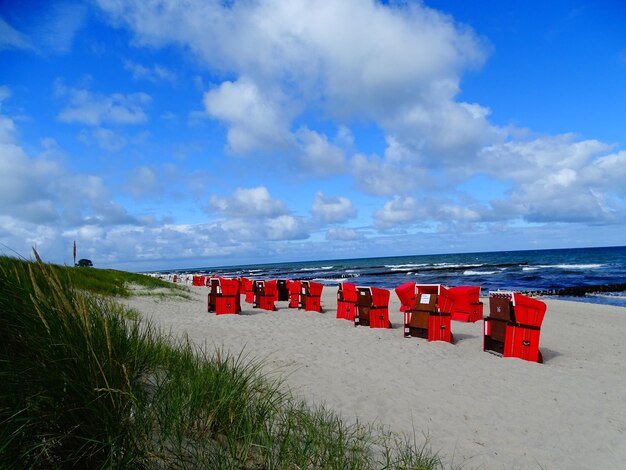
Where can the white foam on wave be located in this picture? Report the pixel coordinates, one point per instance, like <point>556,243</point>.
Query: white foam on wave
<point>397,267</point>
<point>563,266</point>
<point>321,268</point>
<point>451,265</point>
<point>469,272</point>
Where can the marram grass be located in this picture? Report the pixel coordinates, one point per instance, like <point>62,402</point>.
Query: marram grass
<point>84,385</point>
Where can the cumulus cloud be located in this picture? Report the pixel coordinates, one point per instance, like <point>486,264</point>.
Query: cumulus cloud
<point>319,156</point>
<point>86,107</point>
<point>251,214</point>
<point>255,119</point>
<point>248,202</point>
<point>559,179</point>
<point>39,190</point>
<point>398,66</point>
<point>398,211</point>
<point>330,210</point>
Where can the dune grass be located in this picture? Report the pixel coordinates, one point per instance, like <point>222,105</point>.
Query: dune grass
<point>85,385</point>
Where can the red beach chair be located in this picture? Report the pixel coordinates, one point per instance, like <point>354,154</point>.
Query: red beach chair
<point>265,295</point>
<point>346,301</point>
<point>310,296</point>
<point>229,301</point>
<point>372,307</point>
<point>467,305</point>
<point>223,298</point>
<point>248,289</point>
<point>294,293</point>
<point>198,281</point>
<point>514,325</point>
<point>430,316</point>
<point>406,293</point>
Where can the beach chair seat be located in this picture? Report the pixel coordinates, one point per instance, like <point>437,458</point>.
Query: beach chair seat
<point>294,288</point>
<point>310,296</point>
<point>346,301</point>
<point>282,292</point>
<point>467,305</point>
<point>429,317</point>
<point>513,326</point>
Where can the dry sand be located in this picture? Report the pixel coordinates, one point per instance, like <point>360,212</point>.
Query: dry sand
<point>477,409</point>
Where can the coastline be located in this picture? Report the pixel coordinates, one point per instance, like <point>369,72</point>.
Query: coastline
<point>477,409</point>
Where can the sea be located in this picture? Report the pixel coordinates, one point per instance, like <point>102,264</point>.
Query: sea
<point>595,275</point>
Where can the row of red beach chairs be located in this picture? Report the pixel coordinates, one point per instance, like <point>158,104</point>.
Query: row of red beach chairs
<point>224,294</point>
<point>512,328</point>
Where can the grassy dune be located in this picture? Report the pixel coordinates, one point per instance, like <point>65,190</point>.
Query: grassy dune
<point>84,385</point>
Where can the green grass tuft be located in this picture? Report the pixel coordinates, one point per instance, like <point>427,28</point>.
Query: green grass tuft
<point>83,385</point>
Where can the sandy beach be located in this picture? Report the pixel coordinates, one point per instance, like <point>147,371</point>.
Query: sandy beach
<point>478,410</point>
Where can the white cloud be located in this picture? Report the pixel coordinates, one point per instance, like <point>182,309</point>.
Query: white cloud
<point>330,210</point>
<point>154,74</point>
<point>39,190</point>
<point>398,212</point>
<point>398,66</point>
<point>319,156</point>
<point>285,227</point>
<point>256,120</point>
<point>559,179</point>
<point>86,107</point>
<point>248,202</point>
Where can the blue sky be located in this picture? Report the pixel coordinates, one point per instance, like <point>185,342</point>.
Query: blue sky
<point>159,134</point>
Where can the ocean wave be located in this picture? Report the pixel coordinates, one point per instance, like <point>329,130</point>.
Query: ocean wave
<point>469,272</point>
<point>401,267</point>
<point>318,268</point>
<point>564,266</point>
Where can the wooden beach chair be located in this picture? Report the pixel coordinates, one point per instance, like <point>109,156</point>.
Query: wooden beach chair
<point>310,296</point>
<point>265,295</point>
<point>294,286</point>
<point>223,297</point>
<point>467,305</point>
<point>346,301</point>
<point>430,316</point>
<point>513,326</point>
<point>372,307</point>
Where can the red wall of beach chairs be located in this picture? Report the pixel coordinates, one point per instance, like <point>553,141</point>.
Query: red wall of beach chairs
<point>512,328</point>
